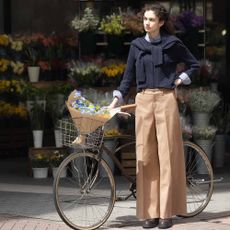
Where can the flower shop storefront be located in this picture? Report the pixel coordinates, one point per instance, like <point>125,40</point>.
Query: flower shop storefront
<point>85,48</point>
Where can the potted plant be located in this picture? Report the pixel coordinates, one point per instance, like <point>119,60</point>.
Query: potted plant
<point>55,160</point>
<point>202,102</point>
<point>37,118</point>
<point>36,104</point>
<point>56,108</point>
<point>83,73</point>
<point>86,26</point>
<point>40,164</point>
<point>113,27</point>
<point>32,47</point>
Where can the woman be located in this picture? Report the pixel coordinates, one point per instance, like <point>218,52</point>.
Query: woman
<point>152,59</point>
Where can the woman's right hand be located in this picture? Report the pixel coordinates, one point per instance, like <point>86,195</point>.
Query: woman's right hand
<point>113,103</point>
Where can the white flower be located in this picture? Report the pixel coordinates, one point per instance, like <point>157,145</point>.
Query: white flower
<point>88,22</point>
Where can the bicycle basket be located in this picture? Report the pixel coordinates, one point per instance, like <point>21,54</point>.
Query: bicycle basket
<point>72,137</point>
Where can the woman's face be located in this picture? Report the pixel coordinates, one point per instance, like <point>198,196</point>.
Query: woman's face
<point>151,23</point>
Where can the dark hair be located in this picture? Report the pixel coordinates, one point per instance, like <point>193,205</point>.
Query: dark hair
<point>162,14</point>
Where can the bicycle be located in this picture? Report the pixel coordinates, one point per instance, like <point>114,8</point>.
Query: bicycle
<point>85,199</point>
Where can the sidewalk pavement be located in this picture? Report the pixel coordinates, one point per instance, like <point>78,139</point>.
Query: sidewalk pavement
<point>27,204</point>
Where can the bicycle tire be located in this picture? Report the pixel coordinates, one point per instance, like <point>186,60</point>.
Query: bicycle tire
<point>199,178</point>
<point>84,199</point>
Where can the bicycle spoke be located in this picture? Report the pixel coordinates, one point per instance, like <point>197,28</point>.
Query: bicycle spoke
<point>199,179</point>
<point>84,199</point>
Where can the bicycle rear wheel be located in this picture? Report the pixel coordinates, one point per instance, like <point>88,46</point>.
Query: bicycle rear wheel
<point>199,176</point>
<point>84,199</point>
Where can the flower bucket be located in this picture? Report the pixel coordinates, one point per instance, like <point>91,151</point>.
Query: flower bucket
<point>58,138</point>
<point>33,72</point>
<point>38,138</point>
<point>201,119</point>
<point>206,145</point>
<point>54,172</point>
<point>40,172</point>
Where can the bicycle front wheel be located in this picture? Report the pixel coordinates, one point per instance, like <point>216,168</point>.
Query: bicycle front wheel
<point>199,176</point>
<point>84,199</point>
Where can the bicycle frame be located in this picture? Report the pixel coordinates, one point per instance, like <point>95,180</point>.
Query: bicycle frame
<point>112,154</point>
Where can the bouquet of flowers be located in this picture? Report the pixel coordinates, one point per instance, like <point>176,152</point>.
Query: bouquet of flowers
<point>86,116</point>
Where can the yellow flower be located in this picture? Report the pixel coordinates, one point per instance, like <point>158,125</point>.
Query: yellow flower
<point>4,64</point>
<point>14,86</point>
<point>4,40</point>
<point>113,70</point>
<point>9,110</point>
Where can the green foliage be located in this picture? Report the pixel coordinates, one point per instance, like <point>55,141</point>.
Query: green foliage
<point>37,115</point>
<point>32,56</point>
<point>39,160</point>
<point>56,107</point>
<point>60,88</point>
<point>31,92</point>
<point>112,24</point>
<point>57,157</point>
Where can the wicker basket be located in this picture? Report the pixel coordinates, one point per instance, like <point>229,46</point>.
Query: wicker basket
<point>71,136</point>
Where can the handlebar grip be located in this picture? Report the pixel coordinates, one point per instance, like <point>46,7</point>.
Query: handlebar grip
<point>126,107</point>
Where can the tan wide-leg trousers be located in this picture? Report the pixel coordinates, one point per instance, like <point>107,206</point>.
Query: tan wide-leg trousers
<point>161,183</point>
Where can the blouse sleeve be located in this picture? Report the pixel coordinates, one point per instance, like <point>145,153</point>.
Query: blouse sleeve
<point>129,72</point>
<point>184,55</point>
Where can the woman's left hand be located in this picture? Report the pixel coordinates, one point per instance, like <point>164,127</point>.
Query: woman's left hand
<point>178,82</point>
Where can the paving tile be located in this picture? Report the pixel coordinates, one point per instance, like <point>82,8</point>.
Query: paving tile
<point>20,224</point>
<point>8,224</point>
